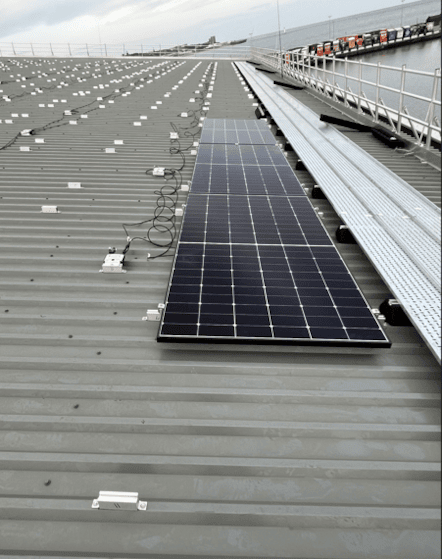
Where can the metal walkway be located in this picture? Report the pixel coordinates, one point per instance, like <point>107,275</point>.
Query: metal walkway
<point>397,227</point>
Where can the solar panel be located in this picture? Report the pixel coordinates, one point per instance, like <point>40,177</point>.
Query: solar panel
<point>254,262</point>
<point>246,180</point>
<point>240,135</point>
<point>229,154</point>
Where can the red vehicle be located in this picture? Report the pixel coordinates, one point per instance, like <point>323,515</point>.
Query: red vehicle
<point>327,48</point>
<point>359,40</point>
<point>383,35</point>
<point>320,50</point>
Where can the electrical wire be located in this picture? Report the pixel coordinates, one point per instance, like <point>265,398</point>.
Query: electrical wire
<point>61,121</point>
<point>163,222</point>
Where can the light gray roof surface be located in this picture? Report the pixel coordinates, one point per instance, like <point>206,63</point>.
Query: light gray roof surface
<point>239,451</point>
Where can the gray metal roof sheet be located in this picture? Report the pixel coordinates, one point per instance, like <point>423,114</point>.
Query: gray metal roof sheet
<point>239,451</point>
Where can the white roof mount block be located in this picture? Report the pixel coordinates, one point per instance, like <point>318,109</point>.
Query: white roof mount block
<point>118,500</point>
<point>113,264</point>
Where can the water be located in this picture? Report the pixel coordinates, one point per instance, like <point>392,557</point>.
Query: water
<point>425,56</point>
<point>396,16</point>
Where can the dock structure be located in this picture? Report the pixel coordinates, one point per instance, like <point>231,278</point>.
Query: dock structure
<point>115,445</point>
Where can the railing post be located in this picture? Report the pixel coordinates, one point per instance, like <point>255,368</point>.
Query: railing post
<point>52,52</point>
<point>431,107</point>
<point>105,48</point>
<point>316,71</point>
<point>323,75</point>
<point>378,81</point>
<point>334,75</point>
<point>70,53</point>
<point>32,50</point>
<point>13,49</point>
<point>401,98</point>
<point>346,81</point>
<point>360,87</point>
<point>87,49</point>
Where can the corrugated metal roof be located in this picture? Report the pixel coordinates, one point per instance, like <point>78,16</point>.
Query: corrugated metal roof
<point>239,451</point>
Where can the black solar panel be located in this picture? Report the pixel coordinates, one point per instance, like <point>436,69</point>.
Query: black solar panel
<point>228,136</point>
<point>245,180</point>
<point>234,124</point>
<point>273,220</point>
<point>229,154</point>
<point>254,262</point>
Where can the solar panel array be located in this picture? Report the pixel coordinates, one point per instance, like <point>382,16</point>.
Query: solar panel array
<point>254,262</point>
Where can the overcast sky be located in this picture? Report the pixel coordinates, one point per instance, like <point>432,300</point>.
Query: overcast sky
<point>168,21</point>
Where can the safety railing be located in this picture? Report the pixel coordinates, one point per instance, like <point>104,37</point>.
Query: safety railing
<point>118,50</point>
<point>417,108</point>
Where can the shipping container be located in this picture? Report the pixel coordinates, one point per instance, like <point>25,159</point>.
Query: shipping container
<point>391,34</point>
<point>367,40</point>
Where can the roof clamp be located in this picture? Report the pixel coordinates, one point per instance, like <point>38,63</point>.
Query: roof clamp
<point>118,500</point>
<point>154,315</point>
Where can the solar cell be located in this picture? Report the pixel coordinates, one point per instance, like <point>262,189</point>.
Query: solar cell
<point>254,262</point>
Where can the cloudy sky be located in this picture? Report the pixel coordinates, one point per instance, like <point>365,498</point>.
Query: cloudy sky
<point>157,21</point>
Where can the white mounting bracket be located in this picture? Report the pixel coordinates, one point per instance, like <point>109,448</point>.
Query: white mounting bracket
<point>113,264</point>
<point>158,171</point>
<point>118,500</point>
<point>174,136</point>
<point>25,132</point>
<point>154,315</point>
<point>184,115</point>
<point>50,210</point>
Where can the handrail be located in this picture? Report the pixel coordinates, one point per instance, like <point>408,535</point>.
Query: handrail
<point>125,50</point>
<point>320,73</point>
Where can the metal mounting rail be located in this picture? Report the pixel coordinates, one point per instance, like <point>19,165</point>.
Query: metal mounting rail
<point>395,225</point>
